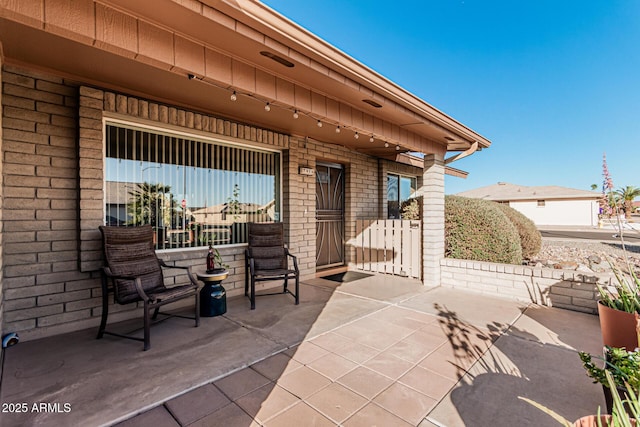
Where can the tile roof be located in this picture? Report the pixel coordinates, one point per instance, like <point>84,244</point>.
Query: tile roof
<point>504,191</point>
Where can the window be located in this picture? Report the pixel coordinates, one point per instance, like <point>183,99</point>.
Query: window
<point>192,191</point>
<point>541,203</point>
<point>401,192</point>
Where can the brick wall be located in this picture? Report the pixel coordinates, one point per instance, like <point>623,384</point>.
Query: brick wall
<point>557,288</point>
<point>2,330</point>
<point>43,289</point>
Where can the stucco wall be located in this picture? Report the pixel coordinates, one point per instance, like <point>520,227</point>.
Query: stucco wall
<point>559,212</point>
<point>53,201</point>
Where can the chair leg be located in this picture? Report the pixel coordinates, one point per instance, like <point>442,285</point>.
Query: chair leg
<point>197,309</point>
<point>297,289</point>
<point>155,313</point>
<point>286,281</point>
<point>252,297</point>
<point>105,313</point>
<point>147,327</point>
<point>246,282</point>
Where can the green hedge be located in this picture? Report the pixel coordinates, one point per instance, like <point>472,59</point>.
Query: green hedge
<point>530,238</point>
<point>478,230</point>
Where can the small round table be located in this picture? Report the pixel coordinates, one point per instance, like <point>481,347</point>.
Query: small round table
<point>213,297</point>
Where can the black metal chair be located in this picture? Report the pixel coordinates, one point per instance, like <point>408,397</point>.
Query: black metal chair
<point>133,273</point>
<point>268,259</point>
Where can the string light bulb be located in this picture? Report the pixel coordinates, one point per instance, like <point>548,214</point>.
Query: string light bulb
<point>356,135</point>
<point>295,114</point>
<point>234,96</point>
<point>267,107</point>
<point>386,145</point>
<point>371,139</point>
<point>397,148</point>
<point>319,124</point>
<point>338,129</point>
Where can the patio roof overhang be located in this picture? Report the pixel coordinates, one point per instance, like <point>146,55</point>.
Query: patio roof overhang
<point>150,48</point>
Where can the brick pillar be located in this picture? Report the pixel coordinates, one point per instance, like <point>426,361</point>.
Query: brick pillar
<point>2,331</point>
<point>433,218</point>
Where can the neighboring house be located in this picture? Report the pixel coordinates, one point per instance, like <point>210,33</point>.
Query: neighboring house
<point>206,105</point>
<point>544,205</point>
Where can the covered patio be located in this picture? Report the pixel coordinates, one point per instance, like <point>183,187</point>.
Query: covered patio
<point>377,350</point>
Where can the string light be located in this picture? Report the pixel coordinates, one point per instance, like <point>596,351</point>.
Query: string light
<point>296,114</point>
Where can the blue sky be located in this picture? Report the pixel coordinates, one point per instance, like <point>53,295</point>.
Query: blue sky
<point>553,84</point>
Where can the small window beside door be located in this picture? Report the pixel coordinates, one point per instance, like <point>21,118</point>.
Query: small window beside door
<point>401,191</point>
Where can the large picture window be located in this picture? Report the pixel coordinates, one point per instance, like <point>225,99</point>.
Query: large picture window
<point>401,192</point>
<point>193,192</point>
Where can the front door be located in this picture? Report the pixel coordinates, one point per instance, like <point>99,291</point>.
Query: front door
<point>329,215</point>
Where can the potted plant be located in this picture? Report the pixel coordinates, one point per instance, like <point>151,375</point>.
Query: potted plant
<point>619,309</point>
<point>619,417</point>
<point>213,258</point>
<point>624,367</point>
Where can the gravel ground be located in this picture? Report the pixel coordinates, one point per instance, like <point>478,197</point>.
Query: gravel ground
<point>585,255</point>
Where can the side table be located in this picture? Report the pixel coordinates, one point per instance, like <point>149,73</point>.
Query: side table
<point>213,297</point>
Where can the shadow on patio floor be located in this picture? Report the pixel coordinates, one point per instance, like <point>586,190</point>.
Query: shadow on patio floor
<point>382,349</point>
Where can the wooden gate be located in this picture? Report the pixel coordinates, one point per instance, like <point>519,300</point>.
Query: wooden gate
<point>389,246</point>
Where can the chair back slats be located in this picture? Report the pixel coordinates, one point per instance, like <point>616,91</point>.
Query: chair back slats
<point>129,251</point>
<point>266,245</point>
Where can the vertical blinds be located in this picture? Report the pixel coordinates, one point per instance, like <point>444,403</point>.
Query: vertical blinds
<point>193,192</point>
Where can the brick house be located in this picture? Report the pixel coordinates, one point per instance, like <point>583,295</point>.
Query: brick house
<point>222,112</point>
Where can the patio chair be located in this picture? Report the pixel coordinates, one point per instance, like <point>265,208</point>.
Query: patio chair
<point>134,273</point>
<point>267,259</point>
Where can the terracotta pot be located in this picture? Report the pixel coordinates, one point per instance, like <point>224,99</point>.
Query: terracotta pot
<point>592,421</point>
<point>618,328</point>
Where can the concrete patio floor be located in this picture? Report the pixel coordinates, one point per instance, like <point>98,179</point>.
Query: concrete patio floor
<point>381,350</point>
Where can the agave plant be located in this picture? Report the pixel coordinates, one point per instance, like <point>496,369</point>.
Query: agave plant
<point>626,296</point>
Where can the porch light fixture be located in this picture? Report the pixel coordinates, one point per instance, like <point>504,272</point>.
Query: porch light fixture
<point>234,96</point>
<point>356,135</point>
<point>267,107</point>
<point>295,114</point>
<point>319,124</point>
<point>338,129</point>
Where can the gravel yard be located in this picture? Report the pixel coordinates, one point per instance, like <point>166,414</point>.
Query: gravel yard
<point>585,255</point>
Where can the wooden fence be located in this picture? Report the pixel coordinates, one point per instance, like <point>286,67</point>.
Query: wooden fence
<point>389,246</point>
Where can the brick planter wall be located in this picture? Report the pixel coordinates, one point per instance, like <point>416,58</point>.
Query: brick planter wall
<point>567,289</point>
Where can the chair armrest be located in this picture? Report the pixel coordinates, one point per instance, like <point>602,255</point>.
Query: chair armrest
<point>293,257</point>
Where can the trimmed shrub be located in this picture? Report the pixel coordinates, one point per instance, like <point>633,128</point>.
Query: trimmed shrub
<point>478,230</point>
<point>530,238</point>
